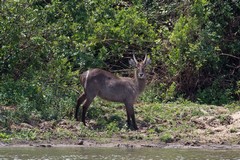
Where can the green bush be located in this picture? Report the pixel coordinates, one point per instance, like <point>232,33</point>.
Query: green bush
<point>215,94</point>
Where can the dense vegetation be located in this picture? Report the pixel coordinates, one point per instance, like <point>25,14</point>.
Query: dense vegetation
<point>44,44</point>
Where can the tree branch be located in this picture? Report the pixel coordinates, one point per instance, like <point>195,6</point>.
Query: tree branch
<point>229,55</point>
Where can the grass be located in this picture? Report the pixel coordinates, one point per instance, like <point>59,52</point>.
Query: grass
<point>166,122</point>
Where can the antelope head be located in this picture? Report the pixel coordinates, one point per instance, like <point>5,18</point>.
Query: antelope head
<point>140,66</point>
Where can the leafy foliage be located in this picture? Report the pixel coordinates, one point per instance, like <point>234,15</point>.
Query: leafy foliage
<point>194,47</point>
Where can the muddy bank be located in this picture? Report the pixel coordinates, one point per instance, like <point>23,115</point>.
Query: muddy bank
<point>120,144</point>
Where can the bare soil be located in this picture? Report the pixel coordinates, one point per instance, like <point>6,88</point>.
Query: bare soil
<point>219,128</point>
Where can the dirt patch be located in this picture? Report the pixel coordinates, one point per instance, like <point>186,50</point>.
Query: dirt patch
<point>219,128</point>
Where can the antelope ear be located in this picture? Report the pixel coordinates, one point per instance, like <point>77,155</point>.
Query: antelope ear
<point>132,63</point>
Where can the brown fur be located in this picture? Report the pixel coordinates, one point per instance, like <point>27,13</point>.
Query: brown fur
<point>98,82</point>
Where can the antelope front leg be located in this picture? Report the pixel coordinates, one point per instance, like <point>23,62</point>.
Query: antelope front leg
<point>133,121</point>
<point>128,119</point>
<point>131,115</point>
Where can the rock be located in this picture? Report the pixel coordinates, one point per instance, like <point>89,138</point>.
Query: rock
<point>125,145</point>
<point>148,145</point>
<point>44,145</point>
<point>192,143</point>
<point>187,143</point>
<point>80,142</point>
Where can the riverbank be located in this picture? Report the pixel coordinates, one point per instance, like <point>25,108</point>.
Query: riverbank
<point>171,125</point>
<point>119,144</point>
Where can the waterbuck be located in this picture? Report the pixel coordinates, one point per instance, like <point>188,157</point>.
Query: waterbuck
<point>98,82</point>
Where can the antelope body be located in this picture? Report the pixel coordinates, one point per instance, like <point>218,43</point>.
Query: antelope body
<point>98,82</point>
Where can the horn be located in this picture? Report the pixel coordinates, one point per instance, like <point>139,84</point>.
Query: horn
<point>134,58</point>
<point>145,59</point>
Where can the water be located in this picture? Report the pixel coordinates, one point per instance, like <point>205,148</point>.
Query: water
<point>69,153</point>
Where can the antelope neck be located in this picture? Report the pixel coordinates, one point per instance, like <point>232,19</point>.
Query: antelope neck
<point>140,84</point>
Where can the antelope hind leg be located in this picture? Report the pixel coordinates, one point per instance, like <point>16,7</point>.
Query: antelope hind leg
<point>80,100</point>
<point>84,109</point>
